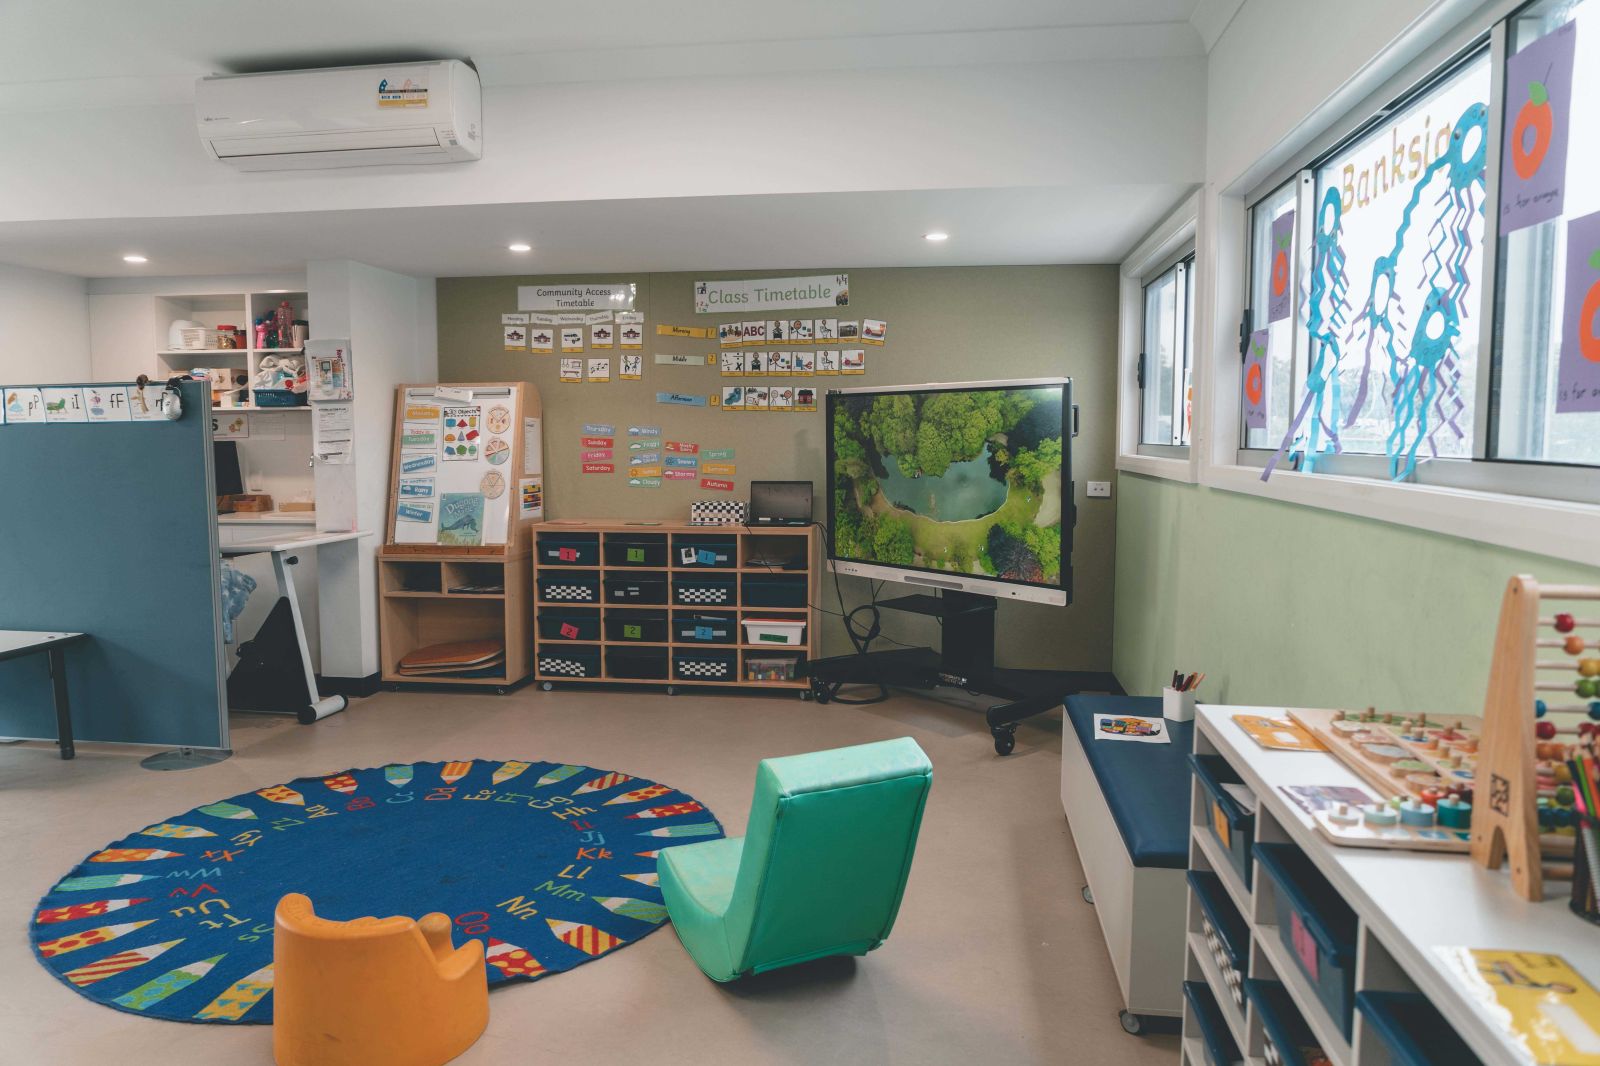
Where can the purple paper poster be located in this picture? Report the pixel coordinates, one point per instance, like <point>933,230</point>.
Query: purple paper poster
<point>1533,159</point>
<point>1280,289</point>
<point>1256,373</point>
<point>1578,374</point>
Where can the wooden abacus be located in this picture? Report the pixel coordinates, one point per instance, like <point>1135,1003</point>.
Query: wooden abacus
<point>1518,722</point>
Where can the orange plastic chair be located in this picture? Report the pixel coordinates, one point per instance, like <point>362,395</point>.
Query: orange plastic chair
<point>373,990</point>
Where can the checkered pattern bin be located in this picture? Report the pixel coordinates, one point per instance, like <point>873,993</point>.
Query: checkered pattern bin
<point>569,588</point>
<point>703,666</point>
<point>695,591</point>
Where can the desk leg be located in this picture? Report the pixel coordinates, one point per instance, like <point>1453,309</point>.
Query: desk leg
<point>320,706</point>
<point>58,680</point>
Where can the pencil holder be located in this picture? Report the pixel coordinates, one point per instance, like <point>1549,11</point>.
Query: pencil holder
<point>1583,866</point>
<point>1177,706</point>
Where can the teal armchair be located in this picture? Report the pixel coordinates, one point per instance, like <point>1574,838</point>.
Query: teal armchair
<point>820,870</point>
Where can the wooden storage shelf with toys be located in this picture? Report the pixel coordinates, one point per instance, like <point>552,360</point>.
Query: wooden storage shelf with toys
<point>453,574</point>
<point>674,604</point>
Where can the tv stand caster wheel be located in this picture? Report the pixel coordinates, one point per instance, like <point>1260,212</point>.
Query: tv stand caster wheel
<point>1004,739</point>
<point>1088,896</point>
<point>546,685</point>
<point>671,691</point>
<point>1132,1024</point>
<point>500,690</point>
<point>805,695</point>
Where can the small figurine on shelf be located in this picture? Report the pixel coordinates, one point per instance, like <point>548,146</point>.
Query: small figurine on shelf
<point>283,325</point>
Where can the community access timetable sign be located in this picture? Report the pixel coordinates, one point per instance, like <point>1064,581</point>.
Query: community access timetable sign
<point>575,297</point>
<point>771,294</point>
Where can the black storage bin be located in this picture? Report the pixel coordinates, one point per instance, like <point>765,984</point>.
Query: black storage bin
<point>1232,825</point>
<point>1317,927</point>
<point>569,623</point>
<point>693,591</point>
<point>636,588</point>
<point>1289,1038</point>
<point>629,624</point>
<point>703,551</point>
<point>567,587</point>
<point>569,549</point>
<point>704,665</point>
<point>1413,1030</point>
<point>1221,1049</point>
<point>1226,934</point>
<point>636,549</point>
<point>774,590</point>
<point>639,663</point>
<point>705,628</point>
<point>574,660</point>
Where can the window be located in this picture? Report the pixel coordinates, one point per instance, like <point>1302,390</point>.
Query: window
<point>1164,382</point>
<point>1547,397</point>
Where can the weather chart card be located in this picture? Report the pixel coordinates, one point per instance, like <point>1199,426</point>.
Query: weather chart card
<point>1539,1001</point>
<point>1533,156</point>
<point>1578,372</point>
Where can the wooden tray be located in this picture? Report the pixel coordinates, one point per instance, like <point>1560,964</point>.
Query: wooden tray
<point>1432,769</point>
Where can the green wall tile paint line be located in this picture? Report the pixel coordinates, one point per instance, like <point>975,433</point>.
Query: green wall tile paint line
<point>1286,605</point>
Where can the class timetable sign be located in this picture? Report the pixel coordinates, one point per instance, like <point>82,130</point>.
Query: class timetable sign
<point>771,294</point>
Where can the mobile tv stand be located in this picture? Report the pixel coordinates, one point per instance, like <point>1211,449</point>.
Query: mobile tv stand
<point>965,660</point>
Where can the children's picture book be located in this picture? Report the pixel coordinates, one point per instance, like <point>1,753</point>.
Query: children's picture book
<point>1277,734</point>
<point>461,518</point>
<point>1131,727</point>
<point>1314,798</point>
<point>1538,1000</point>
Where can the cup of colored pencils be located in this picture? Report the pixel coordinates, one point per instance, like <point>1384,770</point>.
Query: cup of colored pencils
<point>1178,698</point>
<point>1585,768</point>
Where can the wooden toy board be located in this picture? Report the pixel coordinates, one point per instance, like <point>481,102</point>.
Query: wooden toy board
<point>1408,838</point>
<point>1382,775</point>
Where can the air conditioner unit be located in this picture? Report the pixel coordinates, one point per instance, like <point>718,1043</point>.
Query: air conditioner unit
<point>400,113</point>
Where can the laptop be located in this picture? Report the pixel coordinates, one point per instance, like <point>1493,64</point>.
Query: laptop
<point>780,503</point>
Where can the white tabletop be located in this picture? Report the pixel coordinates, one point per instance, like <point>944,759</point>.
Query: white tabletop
<point>20,641</point>
<point>281,518</point>
<point>291,542</point>
<point>1414,901</point>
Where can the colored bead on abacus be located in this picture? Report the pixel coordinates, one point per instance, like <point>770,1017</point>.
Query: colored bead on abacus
<point>1594,710</point>
<point>1574,645</point>
<point>1544,730</point>
<point>1588,688</point>
<point>1565,623</point>
<point>1540,709</point>
<point>1589,667</point>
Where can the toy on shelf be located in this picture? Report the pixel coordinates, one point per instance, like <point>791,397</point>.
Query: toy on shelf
<point>1526,773</point>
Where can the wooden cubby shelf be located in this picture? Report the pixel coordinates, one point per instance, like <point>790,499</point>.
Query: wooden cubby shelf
<point>597,558</point>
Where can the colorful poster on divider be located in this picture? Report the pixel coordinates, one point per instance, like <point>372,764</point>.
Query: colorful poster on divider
<point>1533,155</point>
<point>1280,290</point>
<point>1578,372</point>
<point>1256,370</point>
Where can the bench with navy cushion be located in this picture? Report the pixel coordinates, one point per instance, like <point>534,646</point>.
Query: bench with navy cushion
<point>1128,806</point>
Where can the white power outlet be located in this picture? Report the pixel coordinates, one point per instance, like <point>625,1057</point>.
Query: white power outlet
<point>1100,488</point>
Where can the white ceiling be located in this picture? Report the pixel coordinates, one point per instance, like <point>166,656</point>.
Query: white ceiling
<point>864,229</point>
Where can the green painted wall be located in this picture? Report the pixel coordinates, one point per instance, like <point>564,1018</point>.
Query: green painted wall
<point>1287,605</point>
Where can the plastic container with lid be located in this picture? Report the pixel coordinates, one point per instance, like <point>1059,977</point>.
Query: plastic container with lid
<point>227,337</point>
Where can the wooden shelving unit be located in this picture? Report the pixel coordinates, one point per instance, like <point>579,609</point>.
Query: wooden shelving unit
<point>751,545</point>
<point>419,609</point>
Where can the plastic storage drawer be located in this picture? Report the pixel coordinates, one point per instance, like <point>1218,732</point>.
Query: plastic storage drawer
<point>1290,1040</point>
<point>1317,928</point>
<point>636,549</point>
<point>1221,1050</point>
<point>1232,825</point>
<point>706,589</point>
<point>569,623</point>
<point>569,549</point>
<point>708,552</point>
<point>703,665</point>
<point>704,628</point>
<point>636,588</point>
<point>781,590</point>
<point>577,660</point>
<point>1226,934</point>
<point>649,664</point>
<point>628,624</point>
<point>569,588</point>
<point>1413,1030</point>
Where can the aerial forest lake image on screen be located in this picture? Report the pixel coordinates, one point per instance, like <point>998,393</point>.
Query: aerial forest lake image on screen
<point>967,481</point>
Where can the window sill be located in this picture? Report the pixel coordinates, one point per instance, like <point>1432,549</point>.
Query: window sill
<point>1173,468</point>
<point>1556,528</point>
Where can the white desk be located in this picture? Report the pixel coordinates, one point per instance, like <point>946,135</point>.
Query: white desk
<point>283,549</point>
<point>16,643</point>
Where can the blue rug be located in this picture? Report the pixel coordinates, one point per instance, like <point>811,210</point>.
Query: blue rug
<point>551,865</point>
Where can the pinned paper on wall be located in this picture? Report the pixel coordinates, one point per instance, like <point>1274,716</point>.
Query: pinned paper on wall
<point>1280,291</point>
<point>716,484</point>
<point>754,333</point>
<point>571,370</point>
<point>826,330</point>
<point>718,454</point>
<point>595,455</point>
<point>646,470</point>
<point>515,318</point>
<point>416,412</point>
<point>572,320</point>
<point>644,458</point>
<point>853,361</point>
<point>631,368</point>
<point>680,475</point>
<point>644,431</point>
<point>144,404</point>
<point>418,436</point>
<point>1538,108</point>
<point>66,405</point>
<point>805,398</point>
<point>462,435</point>
<point>827,362</point>
<point>599,370</point>
<point>602,336</point>
<point>532,448</point>
<point>777,331</point>
<point>516,338</point>
<point>227,425</point>
<point>416,487</point>
<point>874,330</point>
<point>107,403</point>
<point>805,364</point>
<point>417,462</point>
<point>642,482</point>
<point>717,469</point>
<point>1578,371</point>
<point>630,316</point>
<point>530,497</point>
<point>681,462</point>
<point>755,363</point>
<point>630,335</point>
<point>668,359</point>
<point>536,318</point>
<point>849,331</point>
<point>730,334</point>
<point>680,399</point>
<point>594,318</point>
<point>694,332</point>
<point>541,339</point>
<point>1256,368</point>
<point>599,468</point>
<point>731,364</point>
<point>780,363</point>
<point>732,398</point>
<point>572,338</point>
<point>412,511</point>
<point>755,398</point>
<point>780,398</point>
<point>802,331</point>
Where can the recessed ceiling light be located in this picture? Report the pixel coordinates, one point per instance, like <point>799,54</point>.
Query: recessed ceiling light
<point>936,236</point>
<point>134,259</point>
<point>520,247</point>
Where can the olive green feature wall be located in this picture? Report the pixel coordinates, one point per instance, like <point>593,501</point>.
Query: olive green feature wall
<point>945,324</point>
<point>1286,605</point>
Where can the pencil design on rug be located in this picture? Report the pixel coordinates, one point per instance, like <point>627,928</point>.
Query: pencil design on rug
<point>345,783</point>
<point>133,855</point>
<point>157,989</point>
<point>639,795</point>
<point>668,811</point>
<point>512,960</point>
<point>644,910</point>
<point>282,794</point>
<point>560,773</point>
<point>172,829</point>
<point>601,783</point>
<point>83,884</point>
<point>226,810</point>
<point>586,938</point>
<point>648,854</point>
<point>121,962</point>
<point>92,909</point>
<point>455,771</point>
<point>652,878</point>
<point>237,999</point>
<point>697,829</point>
<point>398,774</point>
<point>86,938</point>
<point>508,770</point>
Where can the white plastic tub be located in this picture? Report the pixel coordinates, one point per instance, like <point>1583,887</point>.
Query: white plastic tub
<point>778,632</point>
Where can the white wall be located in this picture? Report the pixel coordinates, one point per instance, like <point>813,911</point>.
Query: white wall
<point>44,327</point>
<point>389,320</point>
<point>1129,121</point>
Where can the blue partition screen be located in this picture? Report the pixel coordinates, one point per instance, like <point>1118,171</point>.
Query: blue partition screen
<point>109,528</point>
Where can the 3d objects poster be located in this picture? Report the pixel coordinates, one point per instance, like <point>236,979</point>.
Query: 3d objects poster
<point>1533,158</point>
